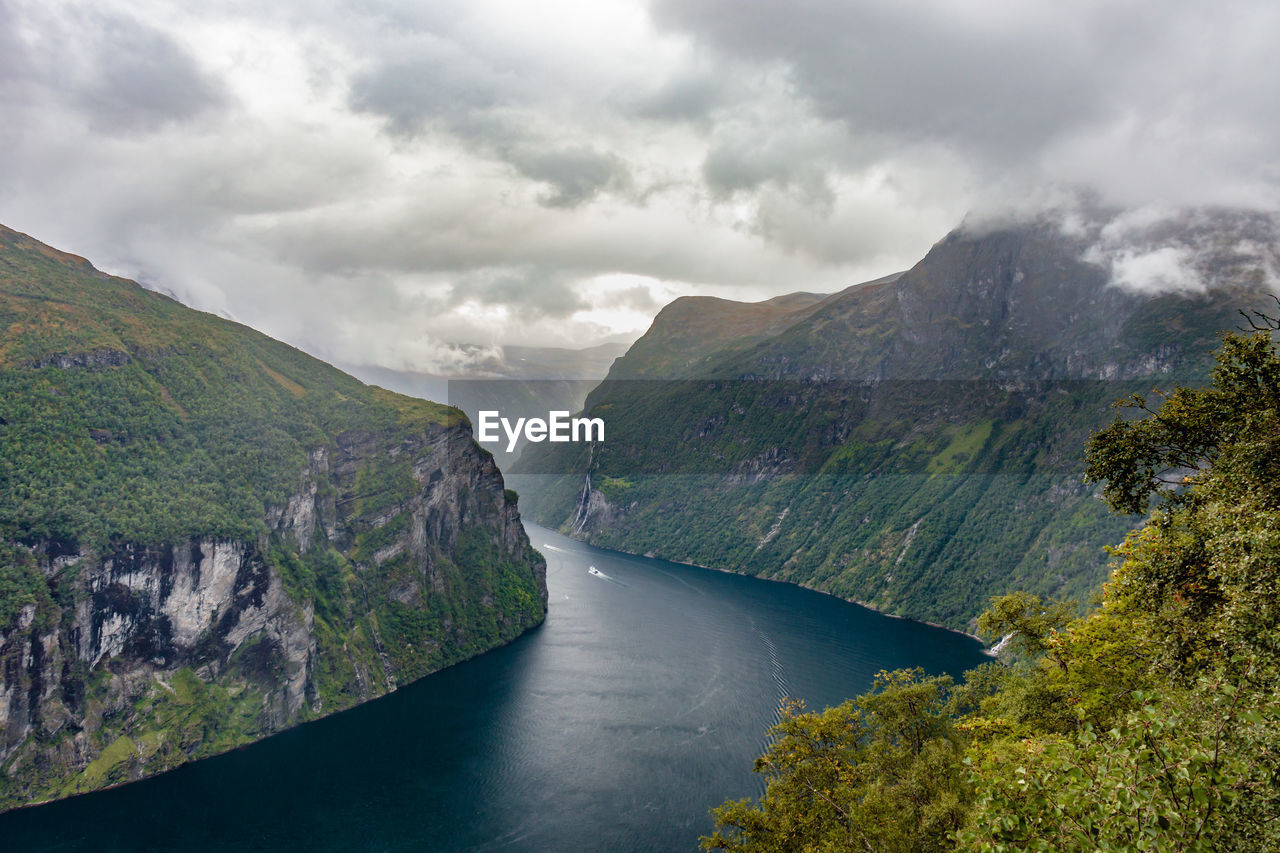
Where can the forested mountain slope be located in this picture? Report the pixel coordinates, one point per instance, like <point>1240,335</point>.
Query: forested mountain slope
<point>207,536</point>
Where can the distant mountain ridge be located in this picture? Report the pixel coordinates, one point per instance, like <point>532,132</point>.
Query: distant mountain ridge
<point>915,442</point>
<point>519,382</point>
<point>694,328</point>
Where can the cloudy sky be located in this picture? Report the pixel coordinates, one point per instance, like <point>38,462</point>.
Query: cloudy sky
<point>377,181</point>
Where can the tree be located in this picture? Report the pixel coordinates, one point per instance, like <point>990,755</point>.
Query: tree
<point>1207,565</point>
<point>880,773</point>
<point>1175,774</point>
<point>1028,622</point>
<point>1184,437</point>
<point>1187,630</point>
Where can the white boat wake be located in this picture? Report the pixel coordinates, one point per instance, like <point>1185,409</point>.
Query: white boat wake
<point>592,570</point>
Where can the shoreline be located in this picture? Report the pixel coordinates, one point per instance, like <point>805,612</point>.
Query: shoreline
<point>652,556</point>
<point>862,604</point>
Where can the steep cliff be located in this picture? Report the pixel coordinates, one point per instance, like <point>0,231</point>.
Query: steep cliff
<point>207,536</point>
<point>913,442</point>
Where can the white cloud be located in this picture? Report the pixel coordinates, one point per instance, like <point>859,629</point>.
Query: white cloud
<point>1167,269</point>
<point>1164,249</point>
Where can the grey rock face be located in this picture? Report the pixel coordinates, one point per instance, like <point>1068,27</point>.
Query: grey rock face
<point>222,610</point>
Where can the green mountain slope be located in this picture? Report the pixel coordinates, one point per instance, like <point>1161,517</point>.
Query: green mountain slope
<point>911,443</point>
<point>207,535</point>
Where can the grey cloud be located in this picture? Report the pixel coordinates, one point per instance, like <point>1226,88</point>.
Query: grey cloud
<point>728,169</point>
<point>443,161</point>
<point>12,51</point>
<point>576,175</point>
<point>438,17</point>
<point>434,85</point>
<point>535,291</point>
<point>139,77</point>
<point>896,68</point>
<point>639,298</point>
<point>1154,248</point>
<point>738,164</point>
<point>366,219</point>
<point>685,97</point>
<point>1163,249</point>
<point>455,235</point>
<point>428,82</point>
<point>120,73</point>
<point>1145,98</point>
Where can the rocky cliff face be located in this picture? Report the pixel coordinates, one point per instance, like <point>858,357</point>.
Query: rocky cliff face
<point>95,672</point>
<point>83,689</point>
<point>207,537</point>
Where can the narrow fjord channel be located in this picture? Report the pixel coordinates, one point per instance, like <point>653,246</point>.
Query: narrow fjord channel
<point>640,704</point>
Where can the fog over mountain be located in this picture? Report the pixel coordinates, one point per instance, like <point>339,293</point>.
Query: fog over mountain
<point>384,182</point>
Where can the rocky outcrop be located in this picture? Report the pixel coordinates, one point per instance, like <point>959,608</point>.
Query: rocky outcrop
<point>95,358</point>
<point>149,611</point>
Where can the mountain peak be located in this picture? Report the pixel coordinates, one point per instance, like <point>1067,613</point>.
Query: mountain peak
<point>1049,298</point>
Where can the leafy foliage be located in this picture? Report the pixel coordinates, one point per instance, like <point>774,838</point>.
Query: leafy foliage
<point>1151,722</point>
<point>1175,774</point>
<point>21,586</point>
<point>1192,427</point>
<point>1027,621</point>
<point>881,773</point>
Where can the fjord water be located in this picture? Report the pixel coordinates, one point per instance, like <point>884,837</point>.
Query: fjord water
<point>640,704</point>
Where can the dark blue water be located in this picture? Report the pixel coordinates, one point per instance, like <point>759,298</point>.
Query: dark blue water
<point>639,705</point>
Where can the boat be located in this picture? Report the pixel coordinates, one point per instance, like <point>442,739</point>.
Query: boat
<point>594,571</point>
